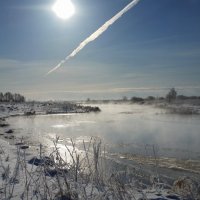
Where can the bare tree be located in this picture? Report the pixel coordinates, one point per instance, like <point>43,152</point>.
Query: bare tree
<point>1,96</point>
<point>9,97</point>
<point>124,98</point>
<point>171,96</point>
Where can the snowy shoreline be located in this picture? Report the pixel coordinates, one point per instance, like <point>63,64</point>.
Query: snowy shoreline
<point>34,108</point>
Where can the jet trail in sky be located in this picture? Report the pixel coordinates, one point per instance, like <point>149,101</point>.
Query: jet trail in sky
<point>96,34</point>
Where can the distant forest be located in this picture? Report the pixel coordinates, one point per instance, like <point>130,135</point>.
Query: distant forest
<point>171,96</point>
<point>9,97</point>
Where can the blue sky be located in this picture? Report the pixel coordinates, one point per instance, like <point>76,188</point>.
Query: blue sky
<point>153,47</point>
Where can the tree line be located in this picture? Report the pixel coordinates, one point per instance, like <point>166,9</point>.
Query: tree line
<point>170,97</point>
<point>10,97</point>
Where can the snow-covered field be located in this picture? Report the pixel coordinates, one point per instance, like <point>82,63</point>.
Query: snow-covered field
<point>39,173</point>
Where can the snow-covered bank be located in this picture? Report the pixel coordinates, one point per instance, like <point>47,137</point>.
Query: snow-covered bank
<point>88,176</point>
<point>176,108</point>
<point>28,108</point>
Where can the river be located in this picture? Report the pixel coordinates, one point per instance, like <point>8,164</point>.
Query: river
<point>122,127</point>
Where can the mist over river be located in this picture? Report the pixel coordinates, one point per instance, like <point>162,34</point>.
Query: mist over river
<point>122,127</point>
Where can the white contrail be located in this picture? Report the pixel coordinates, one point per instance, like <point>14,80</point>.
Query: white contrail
<point>96,34</point>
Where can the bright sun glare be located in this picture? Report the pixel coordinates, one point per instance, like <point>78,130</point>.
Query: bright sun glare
<point>63,8</point>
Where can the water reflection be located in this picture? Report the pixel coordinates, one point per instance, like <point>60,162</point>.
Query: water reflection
<point>124,128</point>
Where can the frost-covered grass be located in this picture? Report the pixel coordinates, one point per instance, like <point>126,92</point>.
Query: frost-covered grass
<point>75,174</point>
<point>53,177</point>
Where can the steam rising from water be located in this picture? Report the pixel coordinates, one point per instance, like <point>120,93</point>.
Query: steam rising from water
<point>96,34</point>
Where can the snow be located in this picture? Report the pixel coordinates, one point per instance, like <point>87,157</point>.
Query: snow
<point>21,180</point>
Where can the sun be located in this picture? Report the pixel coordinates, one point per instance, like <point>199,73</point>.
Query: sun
<point>64,9</point>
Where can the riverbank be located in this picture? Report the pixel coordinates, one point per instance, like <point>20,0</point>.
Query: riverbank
<point>36,108</point>
<point>86,175</point>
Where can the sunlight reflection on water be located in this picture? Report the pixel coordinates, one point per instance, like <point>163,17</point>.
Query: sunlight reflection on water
<point>124,128</point>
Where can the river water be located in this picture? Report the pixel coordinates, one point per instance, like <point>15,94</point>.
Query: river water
<point>122,127</point>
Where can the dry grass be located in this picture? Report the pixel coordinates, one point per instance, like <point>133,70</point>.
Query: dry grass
<point>77,175</point>
<point>51,177</point>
